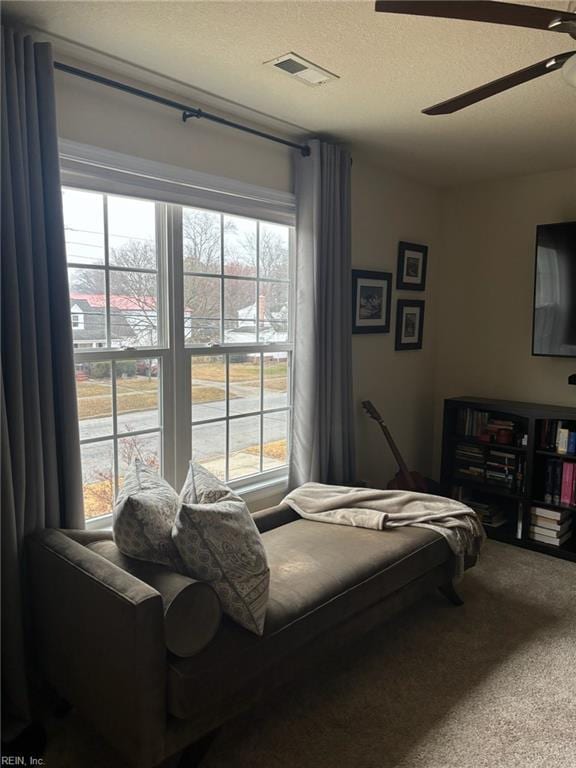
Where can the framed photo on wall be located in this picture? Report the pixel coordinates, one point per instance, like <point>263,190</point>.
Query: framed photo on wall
<point>412,260</point>
<point>409,324</point>
<point>371,301</point>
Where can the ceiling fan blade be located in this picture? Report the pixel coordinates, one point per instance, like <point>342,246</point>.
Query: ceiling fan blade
<point>497,86</point>
<point>483,10</point>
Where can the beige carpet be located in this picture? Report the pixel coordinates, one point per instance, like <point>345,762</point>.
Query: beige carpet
<point>489,685</point>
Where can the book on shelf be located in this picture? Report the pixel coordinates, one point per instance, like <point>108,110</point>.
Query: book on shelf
<point>567,492</point>
<point>549,540</point>
<point>545,522</point>
<point>550,526</point>
<point>486,427</point>
<point>553,481</point>
<point>498,467</point>
<point>557,435</point>
<point>490,515</point>
<point>553,534</point>
<point>557,515</point>
<point>562,440</point>
<point>560,482</point>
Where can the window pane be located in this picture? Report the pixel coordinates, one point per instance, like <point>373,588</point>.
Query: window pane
<point>137,391</point>
<point>239,246</point>
<point>239,311</point>
<point>201,310</point>
<point>244,456</point>
<point>94,393</point>
<point>273,314</point>
<point>83,226</point>
<point>208,387</point>
<point>244,388</point>
<point>275,440</point>
<point>88,307</point>
<point>133,309</point>
<point>98,478</point>
<point>202,241</point>
<point>132,233</point>
<point>276,380</point>
<point>274,251</point>
<point>145,448</point>
<point>209,447</point>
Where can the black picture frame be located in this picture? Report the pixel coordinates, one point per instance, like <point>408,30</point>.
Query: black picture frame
<point>403,331</point>
<point>412,263</point>
<point>381,284</point>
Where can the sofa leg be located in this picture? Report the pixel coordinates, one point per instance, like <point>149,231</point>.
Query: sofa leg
<point>450,593</point>
<point>193,755</point>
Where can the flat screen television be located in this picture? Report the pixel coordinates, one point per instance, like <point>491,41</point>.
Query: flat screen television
<point>554,322</point>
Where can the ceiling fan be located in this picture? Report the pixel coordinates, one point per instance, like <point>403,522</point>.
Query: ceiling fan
<point>494,12</point>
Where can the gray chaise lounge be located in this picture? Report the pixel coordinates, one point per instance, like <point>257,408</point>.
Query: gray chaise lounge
<point>100,631</point>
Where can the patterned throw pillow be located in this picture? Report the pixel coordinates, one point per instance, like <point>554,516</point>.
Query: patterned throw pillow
<point>219,543</point>
<point>143,517</point>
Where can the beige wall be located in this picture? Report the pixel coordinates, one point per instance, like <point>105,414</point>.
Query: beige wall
<point>93,114</point>
<point>485,287</point>
<point>387,208</point>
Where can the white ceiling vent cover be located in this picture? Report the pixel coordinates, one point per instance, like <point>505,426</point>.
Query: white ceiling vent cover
<point>297,67</point>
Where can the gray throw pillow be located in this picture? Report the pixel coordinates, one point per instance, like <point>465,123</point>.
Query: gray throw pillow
<point>143,517</point>
<point>219,543</point>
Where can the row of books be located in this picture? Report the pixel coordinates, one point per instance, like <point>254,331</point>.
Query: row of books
<point>491,466</point>
<point>559,436</point>
<point>550,526</point>
<point>484,426</point>
<point>560,482</point>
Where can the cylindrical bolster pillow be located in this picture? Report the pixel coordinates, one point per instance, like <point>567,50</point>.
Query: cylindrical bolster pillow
<point>192,609</point>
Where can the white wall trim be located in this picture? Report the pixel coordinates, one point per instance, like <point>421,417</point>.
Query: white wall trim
<point>88,166</point>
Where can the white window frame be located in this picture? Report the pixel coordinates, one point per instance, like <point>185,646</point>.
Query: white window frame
<point>94,169</point>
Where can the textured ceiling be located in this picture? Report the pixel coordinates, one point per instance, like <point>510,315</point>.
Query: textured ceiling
<point>390,67</point>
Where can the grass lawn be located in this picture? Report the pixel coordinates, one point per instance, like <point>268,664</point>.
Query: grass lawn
<point>273,450</point>
<point>239,372</point>
<point>140,393</point>
<point>136,394</point>
<point>98,498</point>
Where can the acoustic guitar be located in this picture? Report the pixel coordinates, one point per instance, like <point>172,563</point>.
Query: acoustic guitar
<point>404,480</point>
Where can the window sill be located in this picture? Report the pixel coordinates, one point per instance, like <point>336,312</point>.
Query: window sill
<point>256,494</point>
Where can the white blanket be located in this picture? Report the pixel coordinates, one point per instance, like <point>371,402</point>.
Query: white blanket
<point>377,509</point>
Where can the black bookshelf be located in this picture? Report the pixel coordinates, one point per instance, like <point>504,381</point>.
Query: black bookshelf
<point>514,429</point>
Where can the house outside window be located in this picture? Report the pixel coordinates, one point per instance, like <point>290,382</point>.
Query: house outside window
<point>77,316</point>
<point>182,326</point>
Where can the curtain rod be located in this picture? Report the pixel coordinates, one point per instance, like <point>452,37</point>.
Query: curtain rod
<point>187,111</point>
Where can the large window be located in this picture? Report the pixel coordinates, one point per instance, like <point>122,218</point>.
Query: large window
<point>182,328</point>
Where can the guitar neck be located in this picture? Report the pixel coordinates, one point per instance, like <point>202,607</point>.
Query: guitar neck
<point>373,413</point>
<point>394,448</point>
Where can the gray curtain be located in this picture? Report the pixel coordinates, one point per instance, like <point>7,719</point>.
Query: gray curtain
<point>323,427</point>
<point>41,480</point>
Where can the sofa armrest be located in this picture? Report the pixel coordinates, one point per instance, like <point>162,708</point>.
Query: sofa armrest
<point>273,517</point>
<point>99,635</point>
<point>87,537</point>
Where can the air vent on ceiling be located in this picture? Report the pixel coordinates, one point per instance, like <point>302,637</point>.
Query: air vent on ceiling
<point>302,69</point>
